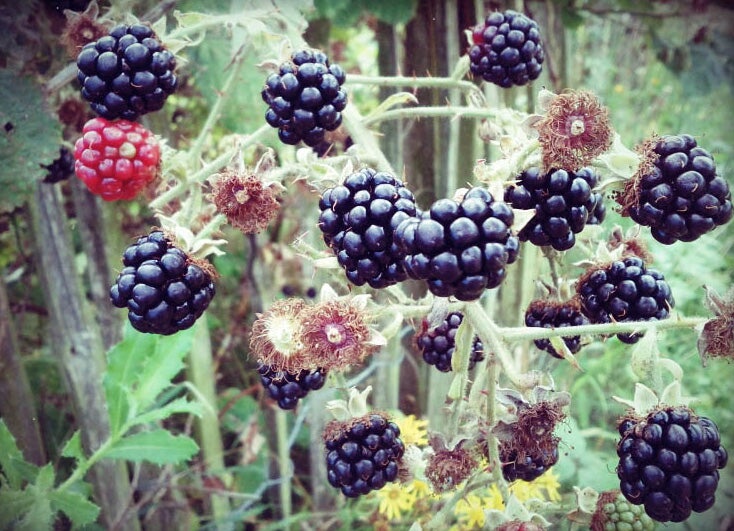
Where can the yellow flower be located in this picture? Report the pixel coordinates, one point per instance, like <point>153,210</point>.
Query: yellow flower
<point>494,499</point>
<point>394,500</point>
<point>419,489</point>
<point>549,483</point>
<point>524,490</point>
<point>470,512</point>
<point>413,430</point>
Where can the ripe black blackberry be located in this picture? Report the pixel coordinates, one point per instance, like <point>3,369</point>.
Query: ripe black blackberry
<point>305,98</point>
<point>563,202</point>
<point>437,344</point>
<point>625,290</point>
<point>287,388</point>
<point>363,453</point>
<point>461,249</point>
<point>550,314</point>
<point>61,168</point>
<point>507,49</point>
<point>127,73</point>
<point>530,466</point>
<point>357,221</point>
<point>163,290</point>
<point>669,462</point>
<point>677,192</point>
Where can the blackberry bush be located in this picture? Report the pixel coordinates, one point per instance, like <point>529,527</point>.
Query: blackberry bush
<point>563,202</point>
<point>507,49</point>
<point>358,220</point>
<point>625,290</point>
<point>127,73</point>
<point>460,249</point>
<point>287,388</point>
<point>551,314</point>
<point>163,290</point>
<point>669,461</point>
<point>677,192</point>
<point>305,98</point>
<point>437,344</point>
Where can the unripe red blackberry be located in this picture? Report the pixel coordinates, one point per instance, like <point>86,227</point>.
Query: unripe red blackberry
<point>625,290</point>
<point>437,344</point>
<point>163,290</point>
<point>669,461</point>
<point>363,453</point>
<point>460,249</point>
<point>305,98</point>
<point>507,49</point>
<point>358,220</point>
<point>127,73</point>
<point>287,388</point>
<point>677,192</point>
<point>563,202</point>
<point>550,314</point>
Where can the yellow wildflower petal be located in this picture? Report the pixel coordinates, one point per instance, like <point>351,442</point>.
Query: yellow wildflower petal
<point>413,430</point>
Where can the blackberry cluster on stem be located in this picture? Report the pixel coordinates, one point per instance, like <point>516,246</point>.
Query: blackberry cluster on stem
<point>437,344</point>
<point>551,314</point>
<point>305,98</point>
<point>288,388</point>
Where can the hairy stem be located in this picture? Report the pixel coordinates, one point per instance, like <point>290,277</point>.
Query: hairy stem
<point>415,82</point>
<point>284,465</point>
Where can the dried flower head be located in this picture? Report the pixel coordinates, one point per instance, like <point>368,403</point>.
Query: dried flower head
<point>448,468</point>
<point>574,131</point>
<point>275,339</point>
<point>717,336</point>
<point>249,203</point>
<point>336,333</point>
<point>82,28</point>
<point>629,196</point>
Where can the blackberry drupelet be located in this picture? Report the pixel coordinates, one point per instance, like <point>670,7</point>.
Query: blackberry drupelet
<point>549,314</point>
<point>127,73</point>
<point>669,461</point>
<point>305,98</point>
<point>563,202</point>
<point>357,221</point>
<point>599,210</point>
<point>287,388</point>
<point>162,289</point>
<point>362,454</point>
<point>61,168</point>
<point>679,195</point>
<point>460,249</point>
<point>624,290</point>
<point>530,466</point>
<point>507,49</point>
<point>437,344</point>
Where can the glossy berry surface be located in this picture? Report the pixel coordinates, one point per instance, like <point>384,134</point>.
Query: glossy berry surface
<point>669,461</point>
<point>116,160</point>
<point>162,289</point>
<point>507,49</point>
<point>625,290</point>
<point>460,249</point>
<point>287,388</point>
<point>681,197</point>
<point>548,314</point>
<point>530,467</point>
<point>358,220</point>
<point>437,344</point>
<point>362,455</point>
<point>127,73</point>
<point>305,98</point>
<point>563,202</point>
<point>61,168</point>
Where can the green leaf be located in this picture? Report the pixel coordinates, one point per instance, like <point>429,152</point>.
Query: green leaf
<point>29,509</point>
<point>571,18</point>
<point>157,446</point>
<point>12,463</point>
<point>15,504</point>
<point>180,405</point>
<point>29,137</point>
<point>73,447</point>
<point>393,11</point>
<point>77,507</point>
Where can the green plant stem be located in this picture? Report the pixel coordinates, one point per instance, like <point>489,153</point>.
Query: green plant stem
<point>449,111</point>
<point>361,135</point>
<point>414,82</point>
<point>284,465</point>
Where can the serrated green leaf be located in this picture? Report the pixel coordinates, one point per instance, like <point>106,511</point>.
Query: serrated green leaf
<point>12,463</point>
<point>77,507</point>
<point>157,446</point>
<point>40,515</point>
<point>29,137</point>
<point>15,504</point>
<point>73,447</point>
<point>45,478</point>
<point>180,405</point>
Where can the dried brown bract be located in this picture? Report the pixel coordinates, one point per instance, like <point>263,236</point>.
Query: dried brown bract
<point>249,203</point>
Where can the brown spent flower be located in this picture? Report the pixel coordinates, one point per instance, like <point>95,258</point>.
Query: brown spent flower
<point>574,131</point>
<point>717,336</point>
<point>336,333</point>
<point>448,468</point>
<point>275,339</point>
<point>82,28</point>
<point>249,204</point>
<point>533,432</point>
<point>518,525</point>
<point>629,196</point>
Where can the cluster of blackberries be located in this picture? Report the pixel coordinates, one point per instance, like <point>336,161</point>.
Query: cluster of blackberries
<point>625,290</point>
<point>548,314</point>
<point>669,462</point>
<point>287,388</point>
<point>681,197</point>
<point>507,49</point>
<point>563,202</point>
<point>362,454</point>
<point>531,466</point>
<point>162,289</point>
<point>438,343</point>
<point>460,249</point>
<point>357,221</point>
<point>61,168</point>
<point>305,98</point>
<point>127,73</point>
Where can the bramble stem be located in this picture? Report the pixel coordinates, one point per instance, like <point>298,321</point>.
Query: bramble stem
<point>414,82</point>
<point>491,337</point>
<point>284,468</point>
<point>450,111</point>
